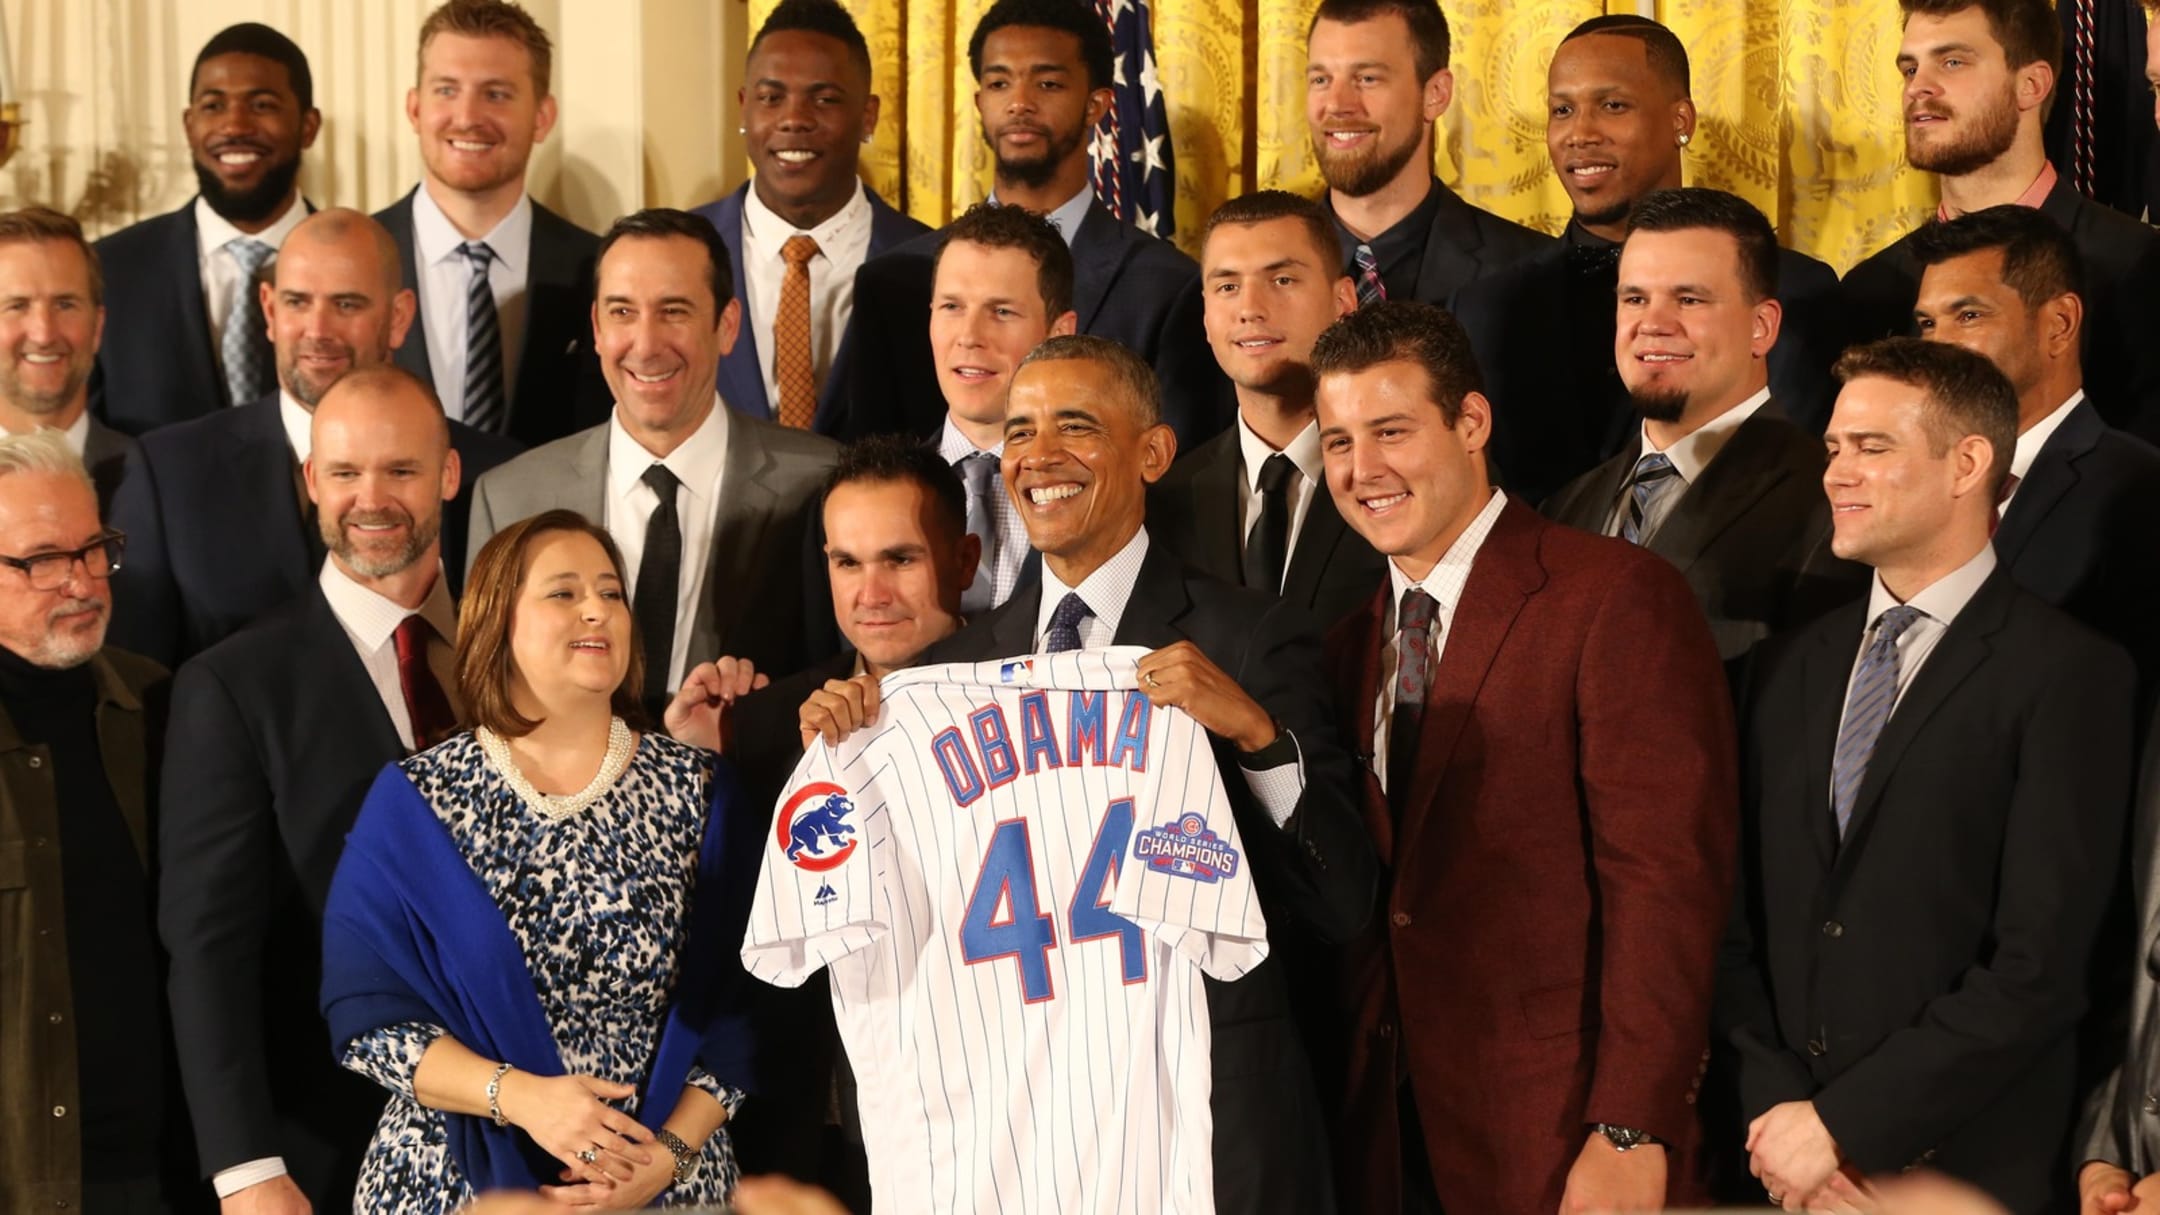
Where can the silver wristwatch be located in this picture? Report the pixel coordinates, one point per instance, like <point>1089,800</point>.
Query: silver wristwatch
<point>685,1159</point>
<point>1625,1138</point>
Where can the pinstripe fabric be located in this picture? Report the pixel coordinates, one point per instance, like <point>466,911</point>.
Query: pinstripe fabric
<point>1867,709</point>
<point>484,405</point>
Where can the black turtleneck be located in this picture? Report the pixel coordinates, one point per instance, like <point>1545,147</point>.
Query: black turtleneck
<point>112,955</point>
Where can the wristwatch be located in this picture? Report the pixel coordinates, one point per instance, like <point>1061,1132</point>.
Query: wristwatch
<point>685,1159</point>
<point>1624,1138</point>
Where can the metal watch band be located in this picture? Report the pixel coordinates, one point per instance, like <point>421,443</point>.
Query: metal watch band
<point>685,1159</point>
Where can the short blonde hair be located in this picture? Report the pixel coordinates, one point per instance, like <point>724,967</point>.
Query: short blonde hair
<point>42,451</point>
<point>489,608</point>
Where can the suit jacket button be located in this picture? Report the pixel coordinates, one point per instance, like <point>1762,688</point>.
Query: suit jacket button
<point>2152,1104</point>
<point>1815,1047</point>
<point>1387,1031</point>
<point>1400,919</point>
<point>1831,928</point>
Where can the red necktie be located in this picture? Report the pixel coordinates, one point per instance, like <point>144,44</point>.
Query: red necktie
<point>432,718</point>
<point>2010,484</point>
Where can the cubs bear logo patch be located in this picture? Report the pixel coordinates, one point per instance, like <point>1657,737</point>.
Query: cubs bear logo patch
<point>813,830</point>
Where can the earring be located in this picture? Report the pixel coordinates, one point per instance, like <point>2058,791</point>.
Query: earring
<point>1684,137</point>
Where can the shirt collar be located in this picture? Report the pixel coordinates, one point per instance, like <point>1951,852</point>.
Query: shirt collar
<point>299,424</point>
<point>1304,451</point>
<point>1106,591</point>
<point>1452,572</point>
<point>767,228</point>
<point>213,231</point>
<point>436,239</point>
<point>2029,444</point>
<point>954,445</point>
<point>1412,228</point>
<point>1693,451</point>
<point>372,617</point>
<point>1942,599</point>
<point>1067,215</point>
<point>2034,194</point>
<point>77,433</point>
<point>696,461</point>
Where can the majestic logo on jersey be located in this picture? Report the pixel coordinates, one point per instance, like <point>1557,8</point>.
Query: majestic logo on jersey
<point>826,895</point>
<point>1185,847</point>
<point>813,827</point>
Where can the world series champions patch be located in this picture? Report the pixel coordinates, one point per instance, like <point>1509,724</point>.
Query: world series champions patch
<point>1184,847</point>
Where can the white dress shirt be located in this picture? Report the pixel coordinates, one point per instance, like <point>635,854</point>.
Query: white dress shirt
<point>1938,604</point>
<point>1066,216</point>
<point>370,621</point>
<point>1690,454</point>
<point>2030,442</point>
<point>698,463</point>
<point>445,276</point>
<point>221,272</point>
<point>299,423</point>
<point>1012,540</point>
<point>1445,584</point>
<point>1107,591</point>
<point>1304,453</point>
<point>843,242</point>
<point>77,434</point>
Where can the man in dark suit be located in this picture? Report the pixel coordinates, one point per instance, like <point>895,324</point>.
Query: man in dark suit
<point>807,109</point>
<point>187,337</point>
<point>52,316</point>
<point>219,528</point>
<point>1250,507</point>
<point>277,733</point>
<point>1539,709</point>
<point>711,508</point>
<point>1043,70</point>
<point>2078,519</point>
<point>2116,1147</point>
<point>504,284</point>
<point>1933,788</point>
<point>1979,75</point>
<point>1377,79</point>
<point>1721,483</point>
<point>1618,120</point>
<point>1083,440</point>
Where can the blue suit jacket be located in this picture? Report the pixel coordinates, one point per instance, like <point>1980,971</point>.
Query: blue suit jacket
<point>742,382</point>
<point>215,534</point>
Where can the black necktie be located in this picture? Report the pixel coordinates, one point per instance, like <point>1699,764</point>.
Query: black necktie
<point>1416,619</point>
<point>1267,547</point>
<point>1593,260</point>
<point>658,579</point>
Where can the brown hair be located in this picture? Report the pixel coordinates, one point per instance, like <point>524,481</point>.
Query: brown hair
<point>488,611</point>
<point>492,19</point>
<point>1962,394</point>
<point>1264,206</point>
<point>1012,227</point>
<point>37,225</point>
<point>2028,30</point>
<point>1404,331</point>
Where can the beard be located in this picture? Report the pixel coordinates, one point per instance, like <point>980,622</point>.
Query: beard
<point>58,652</point>
<point>1357,174</point>
<point>1994,130</point>
<point>39,403</point>
<point>337,537</point>
<point>306,390</point>
<point>1038,171</point>
<point>1659,404</point>
<point>254,205</point>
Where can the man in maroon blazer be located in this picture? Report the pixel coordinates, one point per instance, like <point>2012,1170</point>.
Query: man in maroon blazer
<point>1553,792</point>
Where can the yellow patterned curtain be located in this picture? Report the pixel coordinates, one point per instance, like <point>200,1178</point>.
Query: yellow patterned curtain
<point>1798,102</point>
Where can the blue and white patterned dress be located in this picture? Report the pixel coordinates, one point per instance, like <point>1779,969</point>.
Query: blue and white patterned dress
<point>598,902</point>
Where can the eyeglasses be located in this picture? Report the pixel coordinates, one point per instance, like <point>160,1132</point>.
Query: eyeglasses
<point>51,571</point>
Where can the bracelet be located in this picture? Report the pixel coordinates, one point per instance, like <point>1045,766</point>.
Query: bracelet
<point>685,1159</point>
<point>494,1094</point>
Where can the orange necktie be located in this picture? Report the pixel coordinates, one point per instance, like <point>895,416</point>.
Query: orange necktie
<point>791,336</point>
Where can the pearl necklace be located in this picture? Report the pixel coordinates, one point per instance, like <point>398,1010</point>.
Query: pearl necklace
<point>557,807</point>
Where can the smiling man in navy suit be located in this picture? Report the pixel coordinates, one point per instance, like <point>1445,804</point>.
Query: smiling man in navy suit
<point>799,230</point>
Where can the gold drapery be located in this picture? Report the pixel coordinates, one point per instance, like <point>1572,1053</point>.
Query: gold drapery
<point>1798,102</point>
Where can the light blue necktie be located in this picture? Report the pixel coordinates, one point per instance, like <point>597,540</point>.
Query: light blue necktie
<point>1654,477</point>
<point>1867,710</point>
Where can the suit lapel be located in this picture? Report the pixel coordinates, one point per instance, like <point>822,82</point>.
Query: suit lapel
<point>742,383</point>
<point>553,289</point>
<point>1505,573</point>
<point>741,533</point>
<point>2053,475</point>
<point>1451,248</point>
<point>263,459</point>
<point>413,355</point>
<point>1216,493</point>
<point>1360,693</point>
<point>1157,603</point>
<point>184,287</point>
<point>1099,249</point>
<point>1734,481</point>
<point>345,678</point>
<point>1829,670</point>
<point>1317,539</point>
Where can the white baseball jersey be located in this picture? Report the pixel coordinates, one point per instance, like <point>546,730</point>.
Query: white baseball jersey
<point>1017,877</point>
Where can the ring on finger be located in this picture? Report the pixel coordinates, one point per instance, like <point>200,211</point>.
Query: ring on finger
<point>589,1154</point>
<point>1150,680</point>
<point>1776,1198</point>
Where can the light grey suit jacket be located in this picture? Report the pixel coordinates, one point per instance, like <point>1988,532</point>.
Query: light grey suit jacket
<point>760,588</point>
<point>2121,1120</point>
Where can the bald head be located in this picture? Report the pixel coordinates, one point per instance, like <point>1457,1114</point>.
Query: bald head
<point>336,305</point>
<point>381,469</point>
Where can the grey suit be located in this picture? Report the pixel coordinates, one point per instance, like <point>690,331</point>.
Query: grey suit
<point>758,593</point>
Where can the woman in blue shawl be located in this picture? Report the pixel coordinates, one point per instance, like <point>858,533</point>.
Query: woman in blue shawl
<point>531,937</point>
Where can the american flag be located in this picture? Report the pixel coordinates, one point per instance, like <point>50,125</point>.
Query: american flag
<point>1135,175</point>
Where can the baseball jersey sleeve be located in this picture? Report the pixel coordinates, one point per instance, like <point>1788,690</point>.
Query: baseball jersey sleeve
<point>1184,875</point>
<point>821,886</point>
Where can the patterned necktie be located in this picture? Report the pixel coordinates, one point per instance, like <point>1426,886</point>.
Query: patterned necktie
<point>1417,617</point>
<point>426,704</point>
<point>1654,476</point>
<point>1064,631</point>
<point>659,583</point>
<point>250,372</point>
<point>979,472</point>
<point>1267,547</point>
<point>1370,290</point>
<point>791,336</point>
<point>483,344</point>
<point>1867,710</point>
